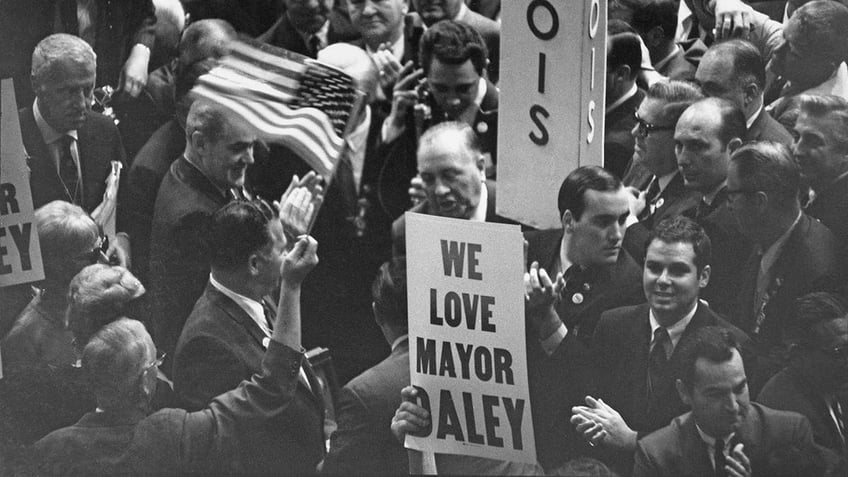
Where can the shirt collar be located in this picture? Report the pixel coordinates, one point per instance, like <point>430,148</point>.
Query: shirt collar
<point>750,121</point>
<point>676,330</point>
<point>665,180</point>
<point>660,64</point>
<point>463,11</point>
<point>710,440</point>
<point>400,339</point>
<point>480,212</point>
<point>564,262</point>
<point>629,94</point>
<point>253,308</point>
<point>48,134</point>
<point>357,138</point>
<point>709,197</point>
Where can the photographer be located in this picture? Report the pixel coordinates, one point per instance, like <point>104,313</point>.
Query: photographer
<point>450,87</point>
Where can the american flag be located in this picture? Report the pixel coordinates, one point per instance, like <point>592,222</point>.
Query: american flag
<point>298,101</point>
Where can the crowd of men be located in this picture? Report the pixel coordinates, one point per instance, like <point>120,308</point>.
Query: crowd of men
<point>689,317</point>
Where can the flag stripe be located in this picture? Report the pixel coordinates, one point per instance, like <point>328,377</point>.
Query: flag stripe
<point>264,73</point>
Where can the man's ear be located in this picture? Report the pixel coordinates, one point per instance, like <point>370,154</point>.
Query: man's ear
<point>683,392</point>
<point>704,278</point>
<point>253,264</point>
<point>198,142</point>
<point>751,92</point>
<point>481,165</point>
<point>568,221</point>
<point>734,144</point>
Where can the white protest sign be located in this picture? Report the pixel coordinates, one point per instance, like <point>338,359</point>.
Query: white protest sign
<point>466,337</point>
<point>20,252</point>
<point>551,111</point>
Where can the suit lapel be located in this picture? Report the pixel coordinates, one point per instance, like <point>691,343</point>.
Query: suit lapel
<point>693,446</point>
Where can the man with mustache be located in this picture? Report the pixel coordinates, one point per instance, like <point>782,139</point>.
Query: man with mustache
<point>725,434</point>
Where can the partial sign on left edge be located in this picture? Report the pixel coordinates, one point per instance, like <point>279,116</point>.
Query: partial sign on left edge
<point>20,252</point>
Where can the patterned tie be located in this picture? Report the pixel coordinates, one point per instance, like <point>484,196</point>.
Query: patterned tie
<point>68,170</point>
<point>719,458</point>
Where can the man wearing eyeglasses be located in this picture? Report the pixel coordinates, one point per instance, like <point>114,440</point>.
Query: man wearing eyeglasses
<point>243,431</point>
<point>653,133</point>
<point>815,383</point>
<point>793,255</point>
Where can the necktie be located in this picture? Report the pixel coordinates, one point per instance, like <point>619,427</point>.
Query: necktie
<point>68,170</point>
<point>652,194</point>
<point>270,316</point>
<point>719,458</point>
<point>314,45</point>
<point>702,211</point>
<point>347,186</point>
<point>658,358</point>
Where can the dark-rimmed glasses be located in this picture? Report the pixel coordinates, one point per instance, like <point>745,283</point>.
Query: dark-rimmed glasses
<point>646,128</point>
<point>160,358</point>
<point>99,251</point>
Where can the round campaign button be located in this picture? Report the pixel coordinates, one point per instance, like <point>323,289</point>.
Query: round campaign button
<point>577,298</point>
<point>482,127</point>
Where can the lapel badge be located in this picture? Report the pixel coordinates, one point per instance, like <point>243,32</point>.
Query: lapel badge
<point>577,298</point>
<point>482,127</point>
<point>659,203</point>
<point>587,287</point>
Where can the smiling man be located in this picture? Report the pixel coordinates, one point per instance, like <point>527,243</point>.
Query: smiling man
<point>724,434</point>
<point>211,172</point>
<point>635,347</point>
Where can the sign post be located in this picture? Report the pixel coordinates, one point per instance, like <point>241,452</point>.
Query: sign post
<point>551,112</point>
<point>20,252</point>
<point>466,336</point>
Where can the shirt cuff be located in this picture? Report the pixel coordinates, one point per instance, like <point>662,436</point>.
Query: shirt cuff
<point>551,343</point>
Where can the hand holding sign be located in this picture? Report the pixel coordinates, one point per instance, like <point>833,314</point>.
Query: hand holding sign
<point>410,418</point>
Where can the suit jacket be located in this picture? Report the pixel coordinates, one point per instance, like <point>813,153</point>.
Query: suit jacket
<point>790,391</point>
<point>284,35</point>
<point>264,426</point>
<point>98,143</point>
<point>399,225</point>
<point>677,449</point>
<point>622,343</point>
<point>400,154</point>
<point>830,207</point>
<point>601,289</point>
<point>674,200</point>
<point>618,142</point>
<point>766,128</point>
<point>220,346</point>
<point>730,248</point>
<point>363,443</point>
<point>808,263</point>
<point>149,167</point>
<point>178,265</point>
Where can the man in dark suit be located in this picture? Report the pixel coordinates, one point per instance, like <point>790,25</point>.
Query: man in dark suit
<point>734,70</point>
<point>451,167</point>
<point>725,433</point>
<point>71,149</point>
<point>307,27</point>
<point>707,133</point>
<point>815,383</point>
<point>822,152</point>
<point>363,443</point>
<point>226,335</point>
<point>636,348</point>
<point>453,58</point>
<point>793,253</point>
<point>592,275</point>
<point>664,194</point>
<point>624,57</point>
<point>211,172</point>
<point>266,426</point>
